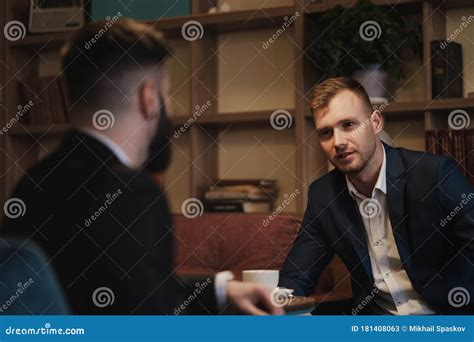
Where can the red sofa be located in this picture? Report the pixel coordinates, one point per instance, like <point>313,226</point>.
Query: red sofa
<point>219,241</point>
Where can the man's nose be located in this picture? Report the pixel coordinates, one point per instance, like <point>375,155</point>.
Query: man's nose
<point>340,140</point>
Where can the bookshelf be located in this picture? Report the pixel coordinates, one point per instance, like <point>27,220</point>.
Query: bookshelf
<point>245,84</point>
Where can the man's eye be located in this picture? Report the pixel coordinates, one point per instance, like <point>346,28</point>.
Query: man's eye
<point>348,124</point>
<point>325,134</point>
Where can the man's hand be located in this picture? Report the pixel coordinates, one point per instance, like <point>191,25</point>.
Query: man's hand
<point>253,299</point>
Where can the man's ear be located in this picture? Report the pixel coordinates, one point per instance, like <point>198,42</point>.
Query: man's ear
<point>148,99</point>
<point>377,121</point>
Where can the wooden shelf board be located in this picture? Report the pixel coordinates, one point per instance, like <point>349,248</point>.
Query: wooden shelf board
<point>420,107</point>
<point>458,3</point>
<point>255,117</point>
<point>430,105</point>
<point>50,40</point>
<point>324,6</point>
<point>38,130</point>
<point>235,20</point>
<point>221,22</point>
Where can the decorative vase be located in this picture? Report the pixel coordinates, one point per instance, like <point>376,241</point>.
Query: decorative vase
<point>374,80</point>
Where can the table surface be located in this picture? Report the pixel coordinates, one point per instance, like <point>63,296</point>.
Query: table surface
<point>300,304</point>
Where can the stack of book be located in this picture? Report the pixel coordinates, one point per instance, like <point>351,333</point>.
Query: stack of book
<point>247,196</point>
<point>50,98</point>
<point>457,144</point>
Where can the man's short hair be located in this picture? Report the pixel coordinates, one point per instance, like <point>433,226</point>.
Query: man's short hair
<point>98,57</point>
<point>324,92</point>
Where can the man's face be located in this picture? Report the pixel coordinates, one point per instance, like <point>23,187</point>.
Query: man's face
<point>347,132</point>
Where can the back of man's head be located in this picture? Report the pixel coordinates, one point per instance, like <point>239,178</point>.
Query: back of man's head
<point>105,62</point>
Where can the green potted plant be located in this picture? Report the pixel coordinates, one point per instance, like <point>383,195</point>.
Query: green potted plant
<point>366,42</point>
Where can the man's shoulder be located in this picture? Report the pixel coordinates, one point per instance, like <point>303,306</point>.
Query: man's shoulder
<point>65,175</point>
<point>327,183</point>
<point>416,163</point>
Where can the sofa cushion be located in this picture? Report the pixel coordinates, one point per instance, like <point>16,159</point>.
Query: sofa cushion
<point>254,242</point>
<point>219,241</point>
<point>197,245</point>
<point>215,242</point>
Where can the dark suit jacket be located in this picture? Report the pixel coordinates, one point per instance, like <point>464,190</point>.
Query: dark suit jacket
<point>104,225</point>
<point>422,191</point>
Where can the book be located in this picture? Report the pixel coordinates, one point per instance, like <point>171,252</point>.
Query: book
<point>458,149</point>
<point>430,141</point>
<point>241,191</point>
<point>238,206</point>
<point>256,189</point>
<point>446,69</point>
<point>257,182</point>
<point>444,144</point>
<point>50,100</point>
<point>469,152</point>
<point>456,144</point>
<point>230,195</point>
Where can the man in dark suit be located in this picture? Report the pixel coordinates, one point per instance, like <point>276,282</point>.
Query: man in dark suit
<point>401,221</point>
<point>98,214</point>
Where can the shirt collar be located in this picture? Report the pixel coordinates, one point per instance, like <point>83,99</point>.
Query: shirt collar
<point>381,183</point>
<point>116,149</point>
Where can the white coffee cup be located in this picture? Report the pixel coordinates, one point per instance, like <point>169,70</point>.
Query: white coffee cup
<point>269,278</point>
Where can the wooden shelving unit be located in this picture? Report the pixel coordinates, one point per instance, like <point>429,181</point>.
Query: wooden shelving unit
<point>223,22</point>
<point>321,6</point>
<point>248,118</point>
<point>420,107</point>
<point>199,152</point>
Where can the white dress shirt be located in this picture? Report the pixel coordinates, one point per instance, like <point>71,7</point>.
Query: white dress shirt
<point>395,294</point>
<point>221,278</point>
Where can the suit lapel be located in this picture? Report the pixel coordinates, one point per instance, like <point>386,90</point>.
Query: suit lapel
<point>396,185</point>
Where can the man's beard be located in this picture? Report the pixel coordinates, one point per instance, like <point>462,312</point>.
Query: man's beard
<point>362,160</point>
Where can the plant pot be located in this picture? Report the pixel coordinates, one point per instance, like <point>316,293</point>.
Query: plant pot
<point>374,80</point>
